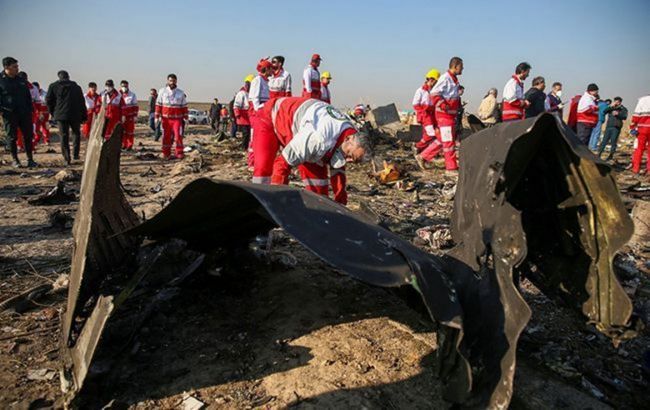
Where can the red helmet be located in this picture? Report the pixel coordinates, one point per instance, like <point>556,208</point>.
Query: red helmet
<point>264,63</point>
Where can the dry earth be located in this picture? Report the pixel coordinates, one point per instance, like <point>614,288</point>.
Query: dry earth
<point>276,335</point>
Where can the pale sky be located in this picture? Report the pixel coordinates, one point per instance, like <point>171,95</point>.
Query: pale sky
<point>377,51</point>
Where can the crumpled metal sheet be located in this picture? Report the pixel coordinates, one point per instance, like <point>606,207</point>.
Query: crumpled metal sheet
<point>103,212</point>
<point>470,292</point>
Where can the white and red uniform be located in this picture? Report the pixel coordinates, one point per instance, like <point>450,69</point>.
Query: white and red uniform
<point>641,123</point>
<point>588,110</point>
<point>325,94</point>
<point>36,108</point>
<point>241,107</point>
<point>258,93</point>
<point>514,102</point>
<point>171,107</point>
<point>42,121</point>
<point>130,113</point>
<point>280,84</point>
<point>425,116</point>
<point>112,103</point>
<point>311,82</point>
<point>93,106</point>
<point>445,98</point>
<point>309,132</point>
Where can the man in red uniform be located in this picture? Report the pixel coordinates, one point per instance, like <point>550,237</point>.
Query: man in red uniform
<point>93,105</point>
<point>311,78</point>
<point>42,130</point>
<point>514,100</point>
<point>312,136</point>
<point>445,96</point>
<point>280,80</point>
<point>112,102</point>
<point>129,114</point>
<point>241,108</point>
<point>640,127</point>
<point>171,108</point>
<point>587,113</point>
<point>429,145</point>
<point>36,108</point>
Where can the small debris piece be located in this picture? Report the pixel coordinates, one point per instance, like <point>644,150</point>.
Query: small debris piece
<point>41,374</point>
<point>56,196</point>
<point>146,156</point>
<point>437,236</point>
<point>389,174</point>
<point>68,175</point>
<point>148,172</point>
<point>191,403</point>
<point>60,220</point>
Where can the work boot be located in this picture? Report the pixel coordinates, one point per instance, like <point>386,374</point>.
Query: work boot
<point>420,161</point>
<point>31,163</point>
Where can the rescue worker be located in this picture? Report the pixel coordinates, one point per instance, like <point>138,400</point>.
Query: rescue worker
<point>587,114</point>
<point>171,110</point>
<point>258,96</point>
<point>311,78</point>
<point>280,80</point>
<point>445,96</point>
<point>640,127</point>
<point>572,120</point>
<point>16,107</point>
<point>311,135</point>
<point>42,130</point>
<point>425,116</point>
<point>129,114</point>
<point>325,80</point>
<point>93,106</point>
<point>35,97</point>
<point>112,102</point>
<point>241,106</point>
<point>514,100</point>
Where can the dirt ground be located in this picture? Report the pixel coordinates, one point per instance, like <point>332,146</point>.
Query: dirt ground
<point>283,335</point>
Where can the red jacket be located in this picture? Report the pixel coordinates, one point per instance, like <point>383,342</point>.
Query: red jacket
<point>113,103</point>
<point>572,121</point>
<point>171,104</point>
<point>445,98</point>
<point>588,110</point>
<point>641,116</point>
<point>311,82</point>
<point>423,106</point>
<point>514,106</point>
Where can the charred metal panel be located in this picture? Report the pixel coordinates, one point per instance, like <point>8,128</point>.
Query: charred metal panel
<point>103,212</point>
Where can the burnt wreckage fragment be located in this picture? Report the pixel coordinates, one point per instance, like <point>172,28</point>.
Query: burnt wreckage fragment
<point>530,202</point>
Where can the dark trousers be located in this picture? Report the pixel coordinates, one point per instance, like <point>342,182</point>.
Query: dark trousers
<point>64,129</point>
<point>611,137</point>
<point>13,123</point>
<point>584,132</point>
<point>245,135</point>
<point>214,123</point>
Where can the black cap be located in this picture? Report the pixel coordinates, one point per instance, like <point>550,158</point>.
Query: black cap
<point>592,87</point>
<point>109,82</point>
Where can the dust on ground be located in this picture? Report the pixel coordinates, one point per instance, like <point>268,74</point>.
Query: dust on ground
<point>278,335</point>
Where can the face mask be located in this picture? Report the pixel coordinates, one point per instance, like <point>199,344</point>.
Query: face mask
<point>109,89</point>
<point>124,89</point>
<point>559,93</point>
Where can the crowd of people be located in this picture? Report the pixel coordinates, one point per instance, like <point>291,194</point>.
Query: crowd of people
<point>438,100</point>
<point>281,131</point>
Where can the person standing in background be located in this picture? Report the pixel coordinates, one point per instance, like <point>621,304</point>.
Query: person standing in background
<point>616,113</point>
<point>241,107</point>
<point>514,101</point>
<point>461,112</point>
<point>555,104</point>
<point>536,98</point>
<point>280,80</point>
<point>42,125</point>
<point>311,78</point>
<point>93,105</point>
<point>597,131</point>
<point>215,115</point>
<point>65,100</point>
<point>16,107</point>
<point>325,80</point>
<point>587,114</point>
<point>130,111</point>
<point>151,110</point>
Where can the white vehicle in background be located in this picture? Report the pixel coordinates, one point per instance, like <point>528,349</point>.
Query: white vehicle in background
<point>197,117</point>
